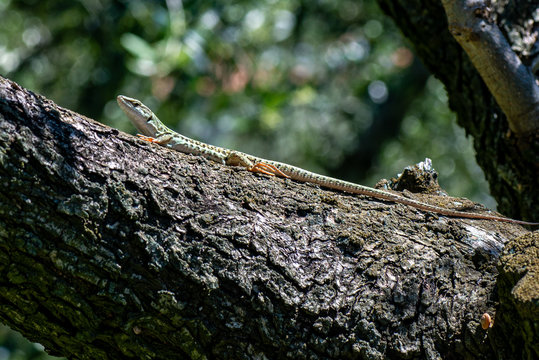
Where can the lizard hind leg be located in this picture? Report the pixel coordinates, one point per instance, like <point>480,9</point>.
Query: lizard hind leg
<point>235,158</point>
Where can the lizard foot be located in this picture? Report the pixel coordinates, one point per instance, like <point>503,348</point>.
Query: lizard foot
<point>146,138</point>
<point>267,169</point>
<point>239,159</point>
<point>161,140</point>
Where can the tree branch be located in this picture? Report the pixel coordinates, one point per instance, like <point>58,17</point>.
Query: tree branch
<point>509,160</point>
<point>115,248</point>
<point>512,84</point>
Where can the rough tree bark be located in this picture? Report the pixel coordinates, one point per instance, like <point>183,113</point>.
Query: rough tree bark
<point>497,38</point>
<point>114,248</point>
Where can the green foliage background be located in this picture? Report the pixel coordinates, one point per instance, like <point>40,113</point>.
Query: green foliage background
<point>328,85</point>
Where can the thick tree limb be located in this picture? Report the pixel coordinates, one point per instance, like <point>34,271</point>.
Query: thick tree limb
<point>114,248</point>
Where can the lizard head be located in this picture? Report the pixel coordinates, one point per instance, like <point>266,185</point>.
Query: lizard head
<point>141,116</point>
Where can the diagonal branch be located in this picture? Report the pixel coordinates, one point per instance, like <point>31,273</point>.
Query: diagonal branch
<point>512,84</point>
<point>114,248</point>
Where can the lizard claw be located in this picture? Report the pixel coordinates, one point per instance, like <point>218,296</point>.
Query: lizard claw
<point>147,138</point>
<point>161,140</point>
<point>267,169</point>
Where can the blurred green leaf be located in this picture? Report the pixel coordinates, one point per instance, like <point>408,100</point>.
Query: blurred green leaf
<point>137,46</point>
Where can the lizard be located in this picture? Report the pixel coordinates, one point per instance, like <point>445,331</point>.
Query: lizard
<point>154,131</point>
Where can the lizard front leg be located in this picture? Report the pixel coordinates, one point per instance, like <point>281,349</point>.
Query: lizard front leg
<point>235,158</point>
<point>161,140</point>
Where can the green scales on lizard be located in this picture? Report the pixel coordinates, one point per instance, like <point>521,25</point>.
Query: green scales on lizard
<point>155,131</point>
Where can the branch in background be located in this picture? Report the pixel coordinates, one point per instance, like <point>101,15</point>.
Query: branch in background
<point>511,83</point>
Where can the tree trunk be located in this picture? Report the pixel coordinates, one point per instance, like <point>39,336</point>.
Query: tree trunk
<point>111,248</point>
<point>508,155</point>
